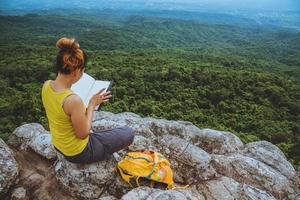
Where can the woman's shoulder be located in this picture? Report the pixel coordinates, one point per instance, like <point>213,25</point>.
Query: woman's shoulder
<point>73,98</point>
<point>46,82</point>
<point>71,102</point>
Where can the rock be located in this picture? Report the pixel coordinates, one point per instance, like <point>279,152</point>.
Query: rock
<point>141,143</point>
<point>190,162</point>
<point>253,193</point>
<point>187,152</point>
<point>41,144</point>
<point>228,189</point>
<point>138,193</point>
<point>253,172</point>
<point>147,193</point>
<point>124,116</point>
<point>23,134</point>
<point>34,181</point>
<point>106,120</point>
<point>271,155</point>
<point>212,141</point>
<point>87,181</point>
<point>214,163</point>
<point>9,170</point>
<point>19,194</point>
<point>33,135</point>
<point>37,177</point>
<point>119,187</point>
<point>108,198</point>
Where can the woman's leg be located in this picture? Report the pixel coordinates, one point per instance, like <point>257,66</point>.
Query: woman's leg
<point>86,156</point>
<point>103,143</point>
<point>115,139</point>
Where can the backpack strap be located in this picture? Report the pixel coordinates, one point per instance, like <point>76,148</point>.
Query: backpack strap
<point>180,187</point>
<point>154,165</point>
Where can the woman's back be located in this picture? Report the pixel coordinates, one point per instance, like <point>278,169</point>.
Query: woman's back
<point>62,132</point>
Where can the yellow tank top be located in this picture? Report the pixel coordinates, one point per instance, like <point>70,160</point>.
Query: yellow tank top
<point>63,135</point>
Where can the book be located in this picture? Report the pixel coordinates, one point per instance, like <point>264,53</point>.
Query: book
<point>87,86</point>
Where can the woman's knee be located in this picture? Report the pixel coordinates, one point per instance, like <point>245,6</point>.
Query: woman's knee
<point>129,133</point>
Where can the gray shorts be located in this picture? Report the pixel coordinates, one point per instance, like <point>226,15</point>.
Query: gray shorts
<point>103,144</point>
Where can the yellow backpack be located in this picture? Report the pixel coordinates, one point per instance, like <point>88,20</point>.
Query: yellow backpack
<point>147,167</point>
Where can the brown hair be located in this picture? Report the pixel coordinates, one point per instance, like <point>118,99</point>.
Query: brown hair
<point>70,56</point>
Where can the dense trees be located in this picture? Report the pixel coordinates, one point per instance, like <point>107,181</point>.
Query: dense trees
<point>220,77</point>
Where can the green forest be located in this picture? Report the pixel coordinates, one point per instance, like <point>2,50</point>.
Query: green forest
<point>245,80</point>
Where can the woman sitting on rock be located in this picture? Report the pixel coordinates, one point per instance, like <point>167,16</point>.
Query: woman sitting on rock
<point>69,120</point>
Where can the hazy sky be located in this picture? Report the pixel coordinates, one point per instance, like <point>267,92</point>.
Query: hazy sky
<point>274,5</point>
<point>239,4</point>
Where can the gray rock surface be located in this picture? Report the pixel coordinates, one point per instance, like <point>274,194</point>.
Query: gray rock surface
<point>146,193</point>
<point>191,163</point>
<point>212,141</point>
<point>229,189</point>
<point>215,164</point>
<point>33,135</point>
<point>22,135</point>
<point>271,155</point>
<point>41,144</point>
<point>19,194</point>
<point>253,172</point>
<point>108,198</point>
<point>86,181</point>
<point>8,168</point>
<point>141,143</point>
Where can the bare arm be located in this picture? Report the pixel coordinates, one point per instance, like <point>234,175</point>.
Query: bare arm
<point>81,120</point>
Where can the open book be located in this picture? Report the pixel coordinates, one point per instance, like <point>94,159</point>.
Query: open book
<point>87,86</point>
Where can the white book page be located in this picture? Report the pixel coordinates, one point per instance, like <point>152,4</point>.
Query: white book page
<point>83,86</point>
<point>97,86</point>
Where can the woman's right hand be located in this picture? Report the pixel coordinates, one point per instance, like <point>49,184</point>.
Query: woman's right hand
<point>100,97</point>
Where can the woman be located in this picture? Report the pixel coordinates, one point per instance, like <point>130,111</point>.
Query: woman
<point>69,121</point>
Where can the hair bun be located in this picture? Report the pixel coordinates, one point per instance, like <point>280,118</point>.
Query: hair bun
<point>70,56</point>
<point>67,44</point>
